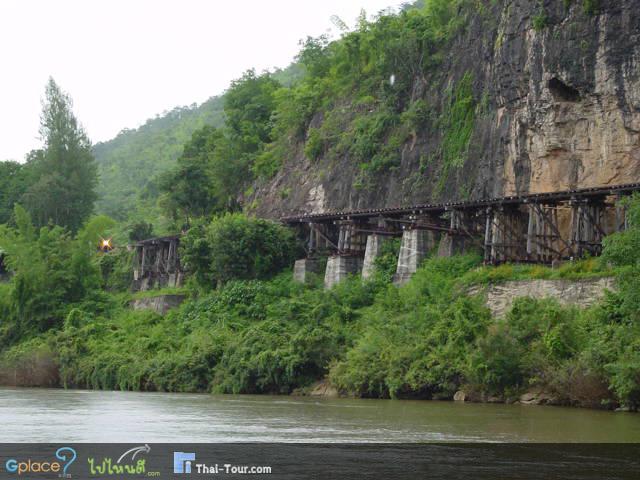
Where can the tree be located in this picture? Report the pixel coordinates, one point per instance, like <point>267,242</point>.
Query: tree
<point>237,247</point>
<point>248,107</point>
<point>190,188</point>
<point>65,171</point>
<point>15,178</point>
<point>246,248</point>
<point>622,249</point>
<point>140,231</point>
<point>53,271</point>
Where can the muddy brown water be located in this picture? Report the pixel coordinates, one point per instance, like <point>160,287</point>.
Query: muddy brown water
<point>54,415</point>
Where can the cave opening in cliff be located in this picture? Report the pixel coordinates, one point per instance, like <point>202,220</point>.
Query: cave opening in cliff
<point>561,90</point>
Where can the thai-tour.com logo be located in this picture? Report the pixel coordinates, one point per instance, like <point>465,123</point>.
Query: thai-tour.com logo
<point>59,465</point>
<point>184,462</point>
<point>131,462</point>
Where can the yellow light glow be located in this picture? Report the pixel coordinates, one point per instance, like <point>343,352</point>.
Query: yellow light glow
<point>106,244</point>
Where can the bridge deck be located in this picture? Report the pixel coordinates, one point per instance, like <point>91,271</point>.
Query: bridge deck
<point>546,197</point>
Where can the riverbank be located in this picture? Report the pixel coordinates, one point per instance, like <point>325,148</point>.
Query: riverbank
<point>428,339</point>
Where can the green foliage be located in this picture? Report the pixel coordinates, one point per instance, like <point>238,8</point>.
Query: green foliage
<point>369,142</point>
<point>234,246</point>
<point>623,250</point>
<point>496,364</point>
<point>189,190</point>
<point>540,21</point>
<point>417,116</point>
<point>575,270</point>
<point>415,339</point>
<point>52,272</point>
<point>591,7</point>
<point>116,268</point>
<point>245,248</point>
<point>314,147</point>
<point>128,163</point>
<point>275,357</point>
<point>140,231</point>
<point>65,174</point>
<point>217,163</point>
<point>387,260</point>
<point>15,178</point>
<point>457,121</point>
<point>248,106</point>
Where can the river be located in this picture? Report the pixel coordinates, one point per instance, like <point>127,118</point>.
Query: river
<point>53,415</point>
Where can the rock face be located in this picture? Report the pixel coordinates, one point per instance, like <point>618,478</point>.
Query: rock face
<point>582,293</point>
<point>557,108</point>
<point>160,304</point>
<point>459,396</point>
<point>323,389</point>
<point>537,397</point>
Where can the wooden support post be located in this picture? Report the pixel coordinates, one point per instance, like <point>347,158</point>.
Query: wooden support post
<point>621,217</point>
<point>487,235</point>
<point>530,230</point>
<point>312,237</point>
<point>142,260</point>
<point>340,239</point>
<point>347,237</point>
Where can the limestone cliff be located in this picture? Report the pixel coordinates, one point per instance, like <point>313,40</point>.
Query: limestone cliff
<point>581,293</point>
<point>557,107</point>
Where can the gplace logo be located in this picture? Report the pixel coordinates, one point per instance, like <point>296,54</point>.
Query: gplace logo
<point>66,455</point>
<point>182,462</point>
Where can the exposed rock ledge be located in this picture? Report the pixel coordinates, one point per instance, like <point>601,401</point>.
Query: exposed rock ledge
<point>160,304</point>
<point>583,293</point>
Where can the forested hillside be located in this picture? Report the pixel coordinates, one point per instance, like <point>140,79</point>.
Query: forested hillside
<point>128,164</point>
<point>131,165</point>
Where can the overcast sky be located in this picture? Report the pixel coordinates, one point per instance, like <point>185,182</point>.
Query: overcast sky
<point>123,61</point>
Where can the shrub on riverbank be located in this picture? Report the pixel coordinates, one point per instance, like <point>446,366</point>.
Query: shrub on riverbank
<point>237,247</point>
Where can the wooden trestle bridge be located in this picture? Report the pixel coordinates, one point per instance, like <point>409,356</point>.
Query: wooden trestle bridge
<point>538,228</point>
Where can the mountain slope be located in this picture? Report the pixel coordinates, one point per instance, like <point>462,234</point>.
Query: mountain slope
<point>128,163</point>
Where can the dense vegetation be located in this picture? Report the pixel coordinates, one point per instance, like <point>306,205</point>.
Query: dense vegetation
<point>129,164</point>
<point>426,339</point>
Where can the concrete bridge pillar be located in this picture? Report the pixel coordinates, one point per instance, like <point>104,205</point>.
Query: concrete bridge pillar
<point>340,267</point>
<point>415,246</point>
<point>372,250</point>
<point>451,245</point>
<point>303,267</point>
